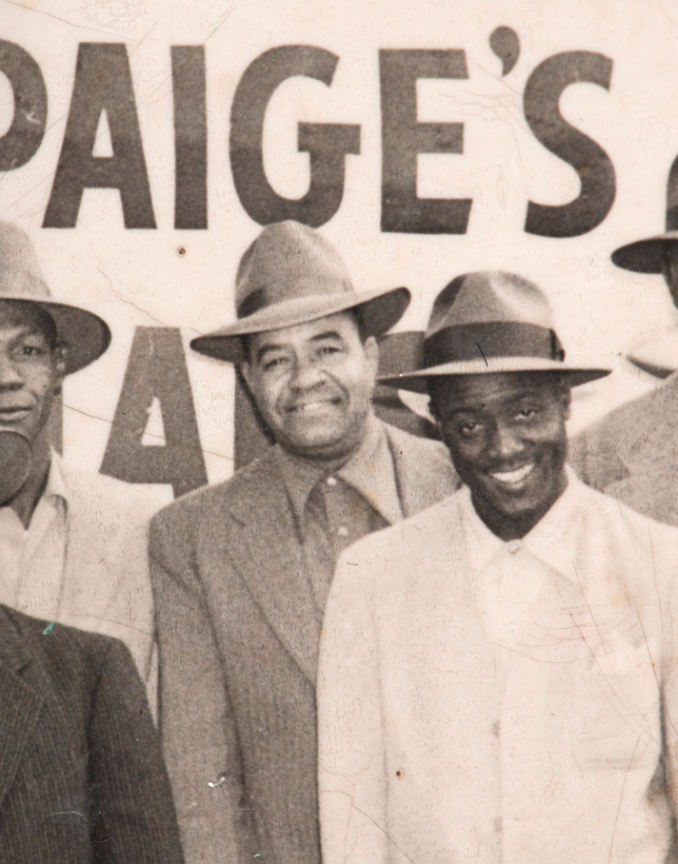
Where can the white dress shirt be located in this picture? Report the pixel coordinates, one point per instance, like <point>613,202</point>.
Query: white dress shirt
<point>502,702</point>
<point>32,559</point>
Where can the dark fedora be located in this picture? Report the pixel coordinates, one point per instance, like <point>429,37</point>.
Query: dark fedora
<point>647,256</point>
<point>489,322</point>
<point>291,275</point>
<point>85,335</point>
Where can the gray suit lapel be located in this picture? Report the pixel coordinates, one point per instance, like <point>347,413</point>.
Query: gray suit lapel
<point>270,560</point>
<point>424,475</point>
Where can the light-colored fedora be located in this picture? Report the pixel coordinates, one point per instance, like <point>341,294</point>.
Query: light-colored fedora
<point>488,322</point>
<point>291,275</point>
<point>85,335</point>
<point>647,256</point>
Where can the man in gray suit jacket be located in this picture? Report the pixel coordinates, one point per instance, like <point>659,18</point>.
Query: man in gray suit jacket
<point>632,453</point>
<point>241,570</point>
<point>82,778</point>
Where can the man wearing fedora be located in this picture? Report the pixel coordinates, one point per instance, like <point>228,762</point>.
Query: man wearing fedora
<point>497,675</point>
<point>241,570</point>
<point>632,453</point>
<point>72,544</point>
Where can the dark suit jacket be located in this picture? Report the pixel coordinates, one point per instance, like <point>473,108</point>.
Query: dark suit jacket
<point>238,634</point>
<point>81,772</point>
<point>632,453</point>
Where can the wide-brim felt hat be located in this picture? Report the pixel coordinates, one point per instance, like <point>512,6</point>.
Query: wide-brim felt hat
<point>645,256</point>
<point>292,275</point>
<point>658,355</point>
<point>85,335</point>
<point>491,322</point>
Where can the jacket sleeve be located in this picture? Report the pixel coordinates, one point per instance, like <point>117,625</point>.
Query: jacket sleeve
<point>198,737</point>
<point>132,813</point>
<point>351,776</point>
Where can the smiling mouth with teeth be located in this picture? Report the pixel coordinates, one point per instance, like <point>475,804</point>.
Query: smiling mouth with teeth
<point>513,478</point>
<point>317,405</point>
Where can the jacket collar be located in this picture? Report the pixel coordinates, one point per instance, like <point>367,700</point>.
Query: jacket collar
<point>267,552</point>
<point>370,471</point>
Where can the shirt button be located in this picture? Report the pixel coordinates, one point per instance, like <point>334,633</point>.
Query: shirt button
<point>513,546</point>
<point>331,481</point>
<point>342,531</point>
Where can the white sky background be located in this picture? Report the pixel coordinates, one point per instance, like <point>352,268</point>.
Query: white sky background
<point>136,277</point>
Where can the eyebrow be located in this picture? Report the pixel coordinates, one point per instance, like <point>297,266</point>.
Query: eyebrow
<point>506,402</point>
<point>267,347</point>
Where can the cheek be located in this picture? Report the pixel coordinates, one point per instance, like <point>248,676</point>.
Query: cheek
<point>42,382</point>
<point>461,451</point>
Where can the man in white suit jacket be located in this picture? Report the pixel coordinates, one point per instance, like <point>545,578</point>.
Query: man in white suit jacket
<point>72,544</point>
<point>497,678</point>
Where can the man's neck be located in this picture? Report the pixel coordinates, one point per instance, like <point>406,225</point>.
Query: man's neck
<point>331,463</point>
<point>26,499</point>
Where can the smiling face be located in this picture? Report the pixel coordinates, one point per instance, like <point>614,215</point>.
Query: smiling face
<point>312,384</point>
<point>507,438</point>
<point>31,368</point>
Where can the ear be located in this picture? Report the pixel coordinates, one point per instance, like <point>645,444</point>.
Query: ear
<point>246,372</point>
<point>60,356</point>
<point>565,399</point>
<point>371,349</point>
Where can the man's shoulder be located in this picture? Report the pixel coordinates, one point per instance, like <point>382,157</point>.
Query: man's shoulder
<point>250,483</point>
<point>99,492</point>
<point>624,525</point>
<point>628,419</point>
<point>58,641</point>
<point>416,446</point>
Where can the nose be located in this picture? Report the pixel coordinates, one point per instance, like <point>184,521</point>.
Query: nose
<point>307,373</point>
<point>504,442</point>
<point>10,376</point>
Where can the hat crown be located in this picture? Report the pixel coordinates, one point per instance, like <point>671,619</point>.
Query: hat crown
<point>20,274</point>
<point>288,261</point>
<point>489,297</point>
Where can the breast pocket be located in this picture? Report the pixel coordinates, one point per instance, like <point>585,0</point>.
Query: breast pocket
<point>618,718</point>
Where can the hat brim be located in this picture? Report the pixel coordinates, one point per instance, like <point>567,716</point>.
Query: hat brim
<point>380,310</point>
<point>645,256</point>
<point>417,382</point>
<point>84,334</point>
<point>659,355</point>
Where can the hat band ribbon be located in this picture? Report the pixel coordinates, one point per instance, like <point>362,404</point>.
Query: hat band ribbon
<point>491,339</point>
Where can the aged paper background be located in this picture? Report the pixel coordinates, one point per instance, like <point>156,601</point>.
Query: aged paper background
<point>136,277</point>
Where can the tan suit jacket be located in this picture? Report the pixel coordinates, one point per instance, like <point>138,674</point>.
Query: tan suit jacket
<point>238,634</point>
<point>106,585</point>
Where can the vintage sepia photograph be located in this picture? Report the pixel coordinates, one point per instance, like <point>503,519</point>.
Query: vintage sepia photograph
<point>338,463</point>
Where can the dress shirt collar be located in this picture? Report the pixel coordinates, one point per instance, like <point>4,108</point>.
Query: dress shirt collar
<point>370,471</point>
<point>548,540</point>
<point>55,488</point>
